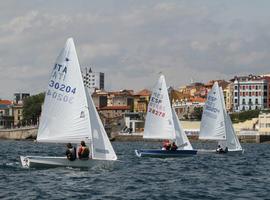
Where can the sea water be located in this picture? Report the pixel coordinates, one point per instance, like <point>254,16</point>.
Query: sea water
<point>200,177</point>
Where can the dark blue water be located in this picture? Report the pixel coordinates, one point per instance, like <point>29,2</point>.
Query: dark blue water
<point>200,177</point>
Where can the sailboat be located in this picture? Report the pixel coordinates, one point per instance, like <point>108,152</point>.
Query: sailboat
<point>69,116</point>
<point>162,123</point>
<point>216,123</point>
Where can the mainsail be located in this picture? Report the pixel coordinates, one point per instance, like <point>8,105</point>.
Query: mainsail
<point>159,122</point>
<point>213,118</point>
<point>69,114</point>
<point>65,115</point>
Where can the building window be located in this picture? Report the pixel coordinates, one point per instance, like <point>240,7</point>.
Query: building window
<point>249,94</point>
<point>250,87</point>
<point>235,100</point>
<point>244,87</point>
<point>235,94</point>
<point>256,101</point>
<point>235,87</point>
<point>256,87</point>
<point>243,101</point>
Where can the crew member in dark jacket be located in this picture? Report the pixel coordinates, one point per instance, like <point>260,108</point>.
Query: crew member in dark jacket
<point>71,152</point>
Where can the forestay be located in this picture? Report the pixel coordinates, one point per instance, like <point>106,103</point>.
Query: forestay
<point>65,116</point>
<point>213,119</point>
<point>181,138</point>
<point>159,123</point>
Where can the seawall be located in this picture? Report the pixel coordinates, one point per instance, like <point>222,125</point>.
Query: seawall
<point>242,138</point>
<point>19,133</point>
<point>31,133</point>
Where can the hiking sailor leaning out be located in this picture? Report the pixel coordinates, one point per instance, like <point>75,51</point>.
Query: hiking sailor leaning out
<point>83,152</point>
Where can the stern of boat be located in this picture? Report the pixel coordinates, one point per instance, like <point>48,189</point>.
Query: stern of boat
<point>138,153</point>
<point>25,161</point>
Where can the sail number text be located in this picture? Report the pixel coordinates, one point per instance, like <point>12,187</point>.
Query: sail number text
<point>156,112</point>
<point>62,87</point>
<point>61,92</point>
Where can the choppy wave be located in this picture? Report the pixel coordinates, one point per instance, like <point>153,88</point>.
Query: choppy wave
<point>201,177</point>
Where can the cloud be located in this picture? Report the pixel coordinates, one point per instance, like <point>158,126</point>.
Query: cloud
<point>132,42</point>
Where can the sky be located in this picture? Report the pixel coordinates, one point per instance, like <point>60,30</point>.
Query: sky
<point>132,41</point>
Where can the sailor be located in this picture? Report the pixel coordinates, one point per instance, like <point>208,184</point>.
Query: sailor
<point>83,152</point>
<point>166,145</point>
<point>71,152</point>
<point>174,147</point>
<point>219,149</point>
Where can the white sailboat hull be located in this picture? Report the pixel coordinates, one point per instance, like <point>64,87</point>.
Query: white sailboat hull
<point>210,151</point>
<point>46,162</point>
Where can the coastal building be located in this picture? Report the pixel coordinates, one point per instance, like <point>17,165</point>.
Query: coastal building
<point>228,95</point>
<point>93,80</point>
<point>100,98</point>
<point>6,116</point>
<point>17,110</point>
<point>264,123</point>
<point>19,97</point>
<point>250,93</point>
<point>141,100</point>
<point>112,113</point>
<point>185,109</point>
<point>134,122</point>
<point>192,90</point>
<point>121,98</point>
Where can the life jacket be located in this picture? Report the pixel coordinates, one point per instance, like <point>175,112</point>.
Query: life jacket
<point>85,152</point>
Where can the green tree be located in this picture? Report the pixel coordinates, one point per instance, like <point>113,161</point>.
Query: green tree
<point>197,113</point>
<point>243,116</point>
<point>32,108</point>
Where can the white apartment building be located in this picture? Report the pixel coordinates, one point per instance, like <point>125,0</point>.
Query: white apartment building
<point>93,80</point>
<point>250,93</point>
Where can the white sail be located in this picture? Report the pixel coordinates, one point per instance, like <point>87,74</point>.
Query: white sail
<point>159,123</point>
<point>232,141</point>
<point>213,119</point>
<point>101,145</point>
<point>181,138</point>
<point>65,116</point>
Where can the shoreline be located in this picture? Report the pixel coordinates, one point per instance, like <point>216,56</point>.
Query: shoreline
<point>30,133</point>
